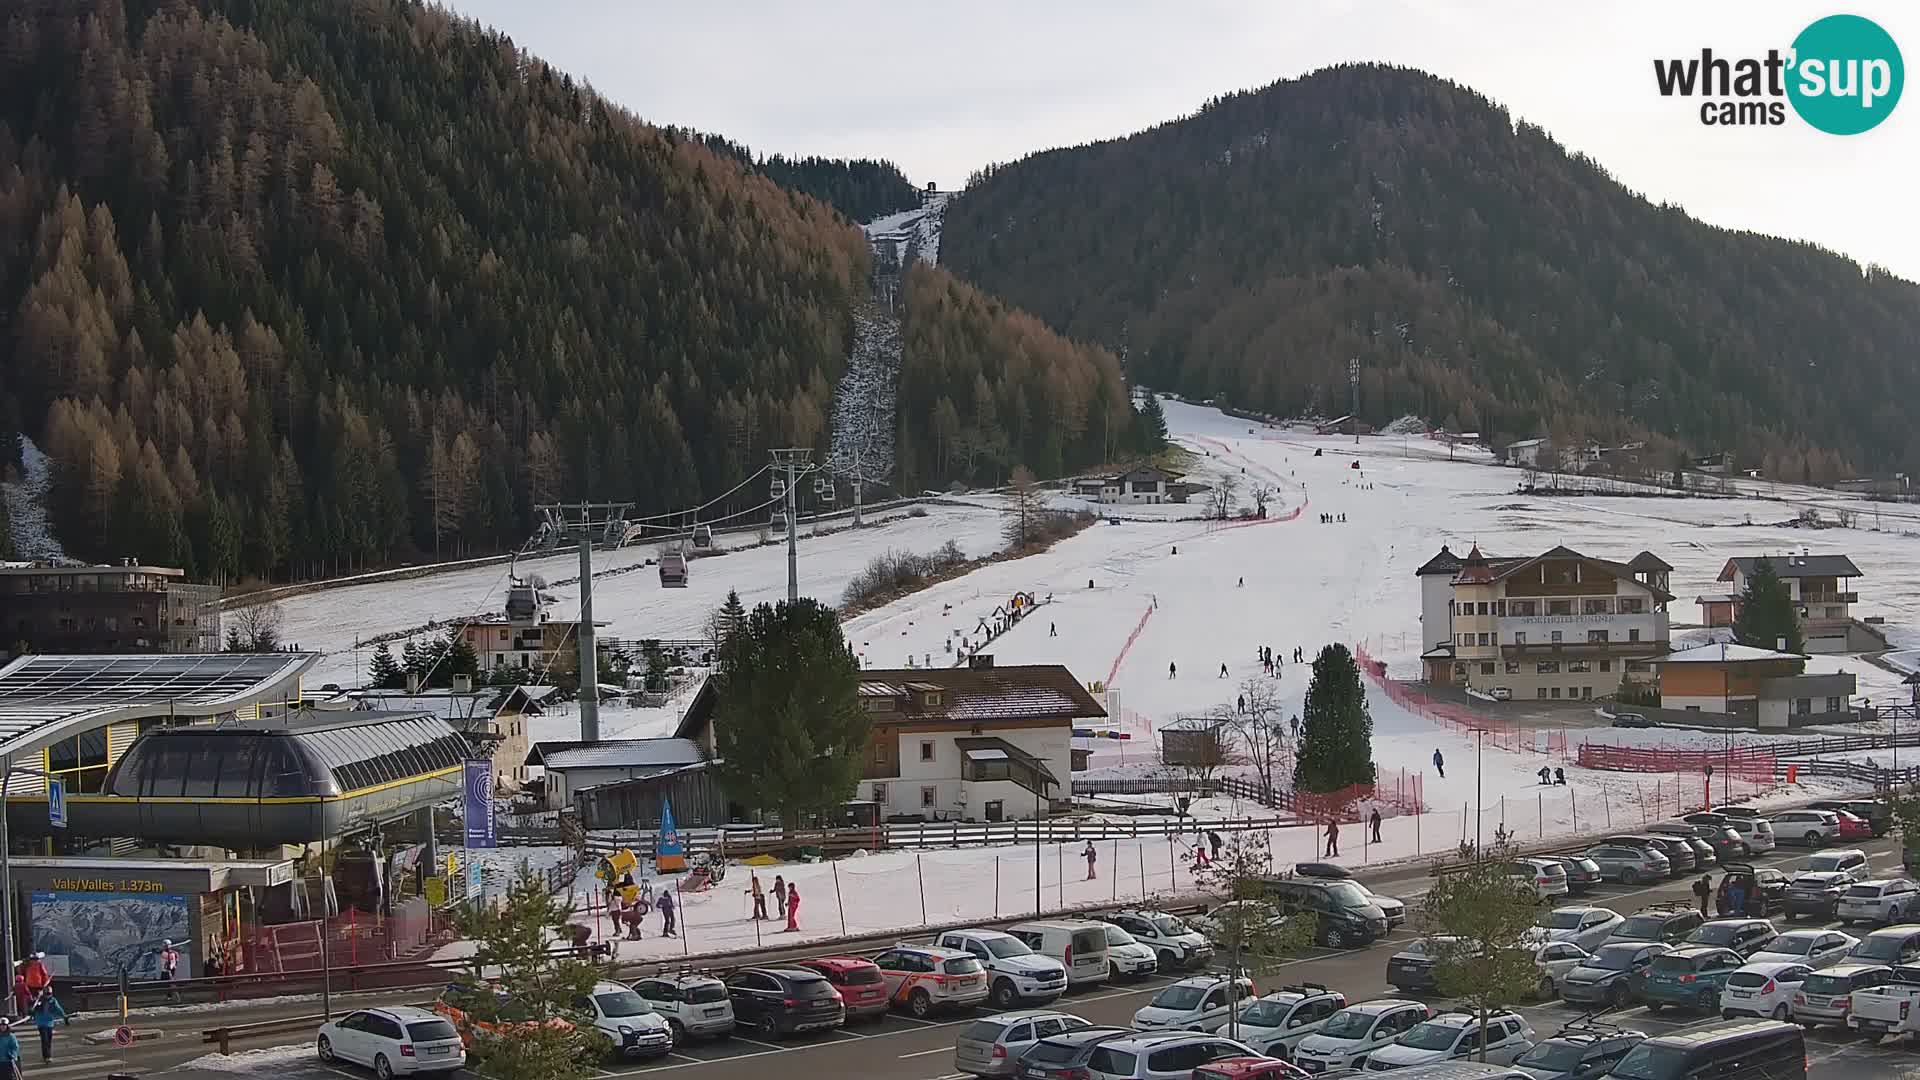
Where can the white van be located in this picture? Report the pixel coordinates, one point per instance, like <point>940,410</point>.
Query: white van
<point>1079,944</point>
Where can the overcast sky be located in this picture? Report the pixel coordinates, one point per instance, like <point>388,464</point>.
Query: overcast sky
<point>945,89</point>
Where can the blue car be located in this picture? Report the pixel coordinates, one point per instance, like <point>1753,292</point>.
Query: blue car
<point>1690,977</point>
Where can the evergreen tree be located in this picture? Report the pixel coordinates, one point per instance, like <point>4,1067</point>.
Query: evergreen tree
<point>234,642</point>
<point>382,672</point>
<point>787,725</point>
<point>726,618</point>
<point>413,661</point>
<point>656,666</point>
<point>513,951</point>
<point>1336,730</point>
<point>1766,612</point>
<point>456,657</point>
<point>1153,424</point>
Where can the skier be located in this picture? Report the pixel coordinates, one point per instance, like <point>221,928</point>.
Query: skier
<point>45,1012</point>
<point>759,896</point>
<point>1546,776</point>
<point>1559,775</point>
<point>780,896</point>
<point>1374,820</point>
<point>1176,549</point>
<point>1242,585</point>
<point>1171,670</point>
<point>22,997</point>
<point>1703,889</point>
<point>665,904</point>
<point>1223,671</point>
<point>169,960</point>
<point>1240,703</point>
<point>1440,763</point>
<point>1333,838</point>
<point>1214,841</point>
<point>1295,724</point>
<point>9,1051</point>
<point>1090,856</point>
<point>793,907</point>
<point>1053,630</point>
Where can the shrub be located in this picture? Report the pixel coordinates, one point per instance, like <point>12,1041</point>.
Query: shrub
<point>895,572</point>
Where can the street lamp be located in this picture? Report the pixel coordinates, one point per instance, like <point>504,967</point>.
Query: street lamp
<point>1479,743</point>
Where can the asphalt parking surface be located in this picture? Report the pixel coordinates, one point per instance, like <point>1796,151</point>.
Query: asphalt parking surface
<point>896,1047</point>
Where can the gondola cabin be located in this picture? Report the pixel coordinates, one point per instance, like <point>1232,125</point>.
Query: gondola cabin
<point>673,570</point>
<point>703,536</point>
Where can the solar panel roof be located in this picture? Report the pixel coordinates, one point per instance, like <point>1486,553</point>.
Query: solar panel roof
<point>39,694</point>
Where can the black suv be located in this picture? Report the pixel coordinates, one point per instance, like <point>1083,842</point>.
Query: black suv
<point>1347,916</point>
<point>776,1001</point>
<point>1877,815</point>
<point>1669,923</point>
<point>1063,1056</point>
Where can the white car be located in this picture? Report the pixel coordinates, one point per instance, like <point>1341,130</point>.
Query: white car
<point>1814,828</point>
<point>397,1040</point>
<point>1350,1035</point>
<point>1586,927</point>
<point>1555,959</point>
<point>1179,946</point>
<point>1274,1024</point>
<point>628,1021</point>
<point>1882,900</point>
<point>1757,832</point>
<point>1455,1035</point>
<point>695,1005</point>
<point>1015,973</point>
<point>927,977</point>
<point>1127,958</point>
<point>1545,877</point>
<point>1763,990</point>
<point>1814,948</point>
<point>1200,1003</point>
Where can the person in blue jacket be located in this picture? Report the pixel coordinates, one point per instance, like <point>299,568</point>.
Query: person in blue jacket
<point>9,1051</point>
<point>46,1009</point>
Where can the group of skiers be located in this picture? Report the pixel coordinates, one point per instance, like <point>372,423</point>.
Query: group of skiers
<point>1333,832</point>
<point>32,1000</point>
<point>1552,776</point>
<point>630,904</point>
<point>1269,663</point>
<point>786,899</point>
<point>1329,519</point>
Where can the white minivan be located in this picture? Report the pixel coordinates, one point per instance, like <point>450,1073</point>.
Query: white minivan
<point>1079,944</point>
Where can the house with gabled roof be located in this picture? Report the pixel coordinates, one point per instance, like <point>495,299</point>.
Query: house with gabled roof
<point>1821,589</point>
<point>1556,625</point>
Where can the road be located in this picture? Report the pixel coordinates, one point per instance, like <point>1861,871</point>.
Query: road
<point>901,1048</point>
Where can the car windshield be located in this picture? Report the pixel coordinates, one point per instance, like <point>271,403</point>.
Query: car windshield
<point>1415,948</point>
<point>705,994</point>
<point>1644,927</point>
<point>1719,933</point>
<point>1827,984</point>
<point>1612,957</point>
<point>1864,890</point>
<point>1670,963</point>
<point>1822,862</point>
<point>1265,1013</point>
<point>1650,1061</point>
<point>959,965</point>
<point>1170,926</point>
<point>1430,1036</point>
<point>1347,894</point>
<point>1179,997</point>
<point>1117,936</point>
<point>1552,1056</point>
<point>814,989</point>
<point>1563,920</point>
<point>1794,944</point>
<point>1748,978</point>
<point>1884,948</point>
<point>622,1003</point>
<point>1347,1025</point>
<point>985,1031</point>
<point>1002,948</point>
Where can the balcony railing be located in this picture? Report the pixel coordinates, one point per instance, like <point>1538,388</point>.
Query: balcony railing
<point>1590,648</point>
<point>1829,597</point>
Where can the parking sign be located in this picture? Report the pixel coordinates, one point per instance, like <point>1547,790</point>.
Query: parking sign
<point>56,803</point>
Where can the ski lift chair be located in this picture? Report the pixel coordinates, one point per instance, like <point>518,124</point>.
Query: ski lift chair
<point>703,536</point>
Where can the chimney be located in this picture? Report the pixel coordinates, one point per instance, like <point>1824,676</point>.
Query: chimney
<point>1780,644</point>
<point>980,661</point>
<point>413,682</point>
<point>463,684</point>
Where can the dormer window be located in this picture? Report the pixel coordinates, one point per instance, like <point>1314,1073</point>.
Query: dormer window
<point>931,699</point>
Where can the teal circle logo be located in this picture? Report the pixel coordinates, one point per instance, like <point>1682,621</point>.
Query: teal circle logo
<point>1847,75</point>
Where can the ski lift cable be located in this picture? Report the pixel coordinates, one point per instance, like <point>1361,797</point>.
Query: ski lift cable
<point>696,509</point>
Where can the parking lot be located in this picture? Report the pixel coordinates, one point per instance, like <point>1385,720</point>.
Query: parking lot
<point>897,1047</point>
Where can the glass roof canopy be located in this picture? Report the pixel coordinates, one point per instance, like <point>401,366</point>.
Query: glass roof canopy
<point>46,698</point>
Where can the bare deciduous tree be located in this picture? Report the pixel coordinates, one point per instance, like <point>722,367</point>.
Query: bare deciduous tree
<point>1220,502</point>
<point>1261,493</point>
<point>1259,722</point>
<point>255,628</point>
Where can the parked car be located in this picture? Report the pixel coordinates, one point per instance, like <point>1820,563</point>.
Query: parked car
<point>1757,832</point>
<point>1825,996</point>
<point>1079,945</point>
<point>1853,827</point>
<point>863,989</point>
<point>1346,916</point>
<point>1744,936</point>
<point>776,1001</point>
<point>1611,975</point>
<point>1253,1068</point>
<point>1628,865</point>
<point>1178,946</point>
<point>1221,922</point>
<point>1763,989</point>
<point>1878,815</point>
<point>1350,1035</point>
<point>1762,1049</point>
<point>1882,900</point>
<point>1849,861</point>
<point>1816,894</point>
<point>1545,878</point>
<point>1669,923</point>
<point>627,1021</point>
<point>1170,1055</point>
<point>1736,811</point>
<point>1582,873</point>
<point>1892,946</point>
<point>1721,841</point>
<point>694,1005</point>
<point>1814,828</point>
<point>1577,1053</point>
<point>1681,858</point>
<point>1195,1004</point>
<point>924,978</point>
<point>1704,853</point>
<point>1814,948</point>
<point>992,1046</point>
<point>1689,977</point>
<point>1127,957</point>
<point>1586,927</point>
<point>1015,973</point>
<point>394,1040</point>
<point>1631,720</point>
<point>1065,1056</point>
<point>1886,1009</point>
<point>1763,890</point>
<point>1456,1035</point>
<point>1554,960</point>
<point>1279,1021</point>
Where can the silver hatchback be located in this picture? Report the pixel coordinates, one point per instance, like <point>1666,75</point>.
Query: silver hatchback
<point>992,1046</point>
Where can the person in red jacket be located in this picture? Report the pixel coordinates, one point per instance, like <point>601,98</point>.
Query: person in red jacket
<point>22,997</point>
<point>37,976</point>
<point>793,907</point>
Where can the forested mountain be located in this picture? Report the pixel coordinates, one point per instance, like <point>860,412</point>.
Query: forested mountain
<point>289,287</point>
<point>1483,276</point>
<point>862,189</point>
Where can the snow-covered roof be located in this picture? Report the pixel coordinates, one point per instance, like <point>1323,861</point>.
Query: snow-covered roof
<point>1794,566</point>
<point>616,754</point>
<point>1725,652</point>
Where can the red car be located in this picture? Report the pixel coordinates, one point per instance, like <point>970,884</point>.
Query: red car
<point>1249,1068</point>
<point>1853,827</point>
<point>859,981</point>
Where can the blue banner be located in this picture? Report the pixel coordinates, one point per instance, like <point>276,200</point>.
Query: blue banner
<point>477,806</point>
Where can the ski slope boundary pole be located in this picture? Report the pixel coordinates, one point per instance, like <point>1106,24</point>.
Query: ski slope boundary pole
<point>842,904</point>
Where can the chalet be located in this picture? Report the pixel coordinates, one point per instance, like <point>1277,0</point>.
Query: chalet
<point>1525,453</point>
<point>572,767</point>
<point>1556,625</point>
<point>980,743</point>
<point>1145,484</point>
<point>1761,685</point>
<point>1821,588</point>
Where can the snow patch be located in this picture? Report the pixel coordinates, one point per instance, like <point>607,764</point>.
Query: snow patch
<point>27,506</point>
<point>256,1062</point>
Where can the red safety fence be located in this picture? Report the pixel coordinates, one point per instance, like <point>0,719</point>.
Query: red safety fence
<point>1745,763</point>
<point>1499,734</point>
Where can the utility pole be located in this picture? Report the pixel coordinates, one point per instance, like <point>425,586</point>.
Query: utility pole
<point>1353,381</point>
<point>589,657</point>
<point>858,476</point>
<point>796,462</point>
